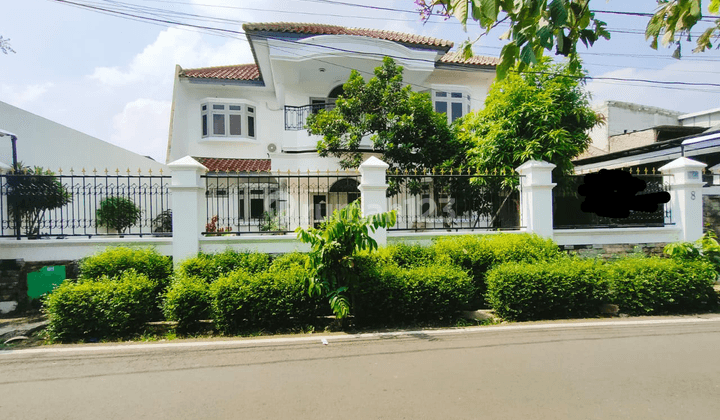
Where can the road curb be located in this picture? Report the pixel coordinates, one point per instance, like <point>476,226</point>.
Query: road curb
<point>321,339</point>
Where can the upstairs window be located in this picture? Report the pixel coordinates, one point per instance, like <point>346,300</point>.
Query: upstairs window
<point>452,104</point>
<point>227,120</point>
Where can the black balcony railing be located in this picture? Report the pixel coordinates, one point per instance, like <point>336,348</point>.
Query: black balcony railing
<point>296,116</point>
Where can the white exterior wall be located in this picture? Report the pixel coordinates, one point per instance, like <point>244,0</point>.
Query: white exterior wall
<point>53,146</point>
<point>709,118</point>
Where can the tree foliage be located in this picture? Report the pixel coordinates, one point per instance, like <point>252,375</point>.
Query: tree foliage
<point>542,115</point>
<point>537,26</point>
<point>334,247</point>
<point>400,123</point>
<point>32,191</point>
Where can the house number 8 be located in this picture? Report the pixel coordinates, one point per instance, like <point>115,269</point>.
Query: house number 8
<point>692,195</point>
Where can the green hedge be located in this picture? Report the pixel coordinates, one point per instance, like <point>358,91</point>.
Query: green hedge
<point>187,301</point>
<point>408,255</point>
<point>477,254</point>
<point>287,261</point>
<point>269,300</point>
<point>113,261</point>
<point>562,288</point>
<point>655,285</point>
<point>392,294</point>
<point>100,308</point>
<point>212,266</point>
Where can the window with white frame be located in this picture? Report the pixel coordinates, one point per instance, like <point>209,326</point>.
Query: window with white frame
<point>454,104</point>
<point>234,120</point>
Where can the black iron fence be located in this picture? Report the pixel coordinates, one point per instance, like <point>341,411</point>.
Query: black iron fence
<point>567,201</point>
<point>296,116</point>
<point>274,202</point>
<point>37,205</point>
<point>454,201</point>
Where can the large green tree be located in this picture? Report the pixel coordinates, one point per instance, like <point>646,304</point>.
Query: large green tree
<point>400,123</point>
<point>540,25</point>
<point>543,115</point>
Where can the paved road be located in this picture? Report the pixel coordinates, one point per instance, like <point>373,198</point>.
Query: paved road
<point>599,371</point>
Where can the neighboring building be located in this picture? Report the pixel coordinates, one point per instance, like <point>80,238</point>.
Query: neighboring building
<point>53,146</point>
<point>630,126</point>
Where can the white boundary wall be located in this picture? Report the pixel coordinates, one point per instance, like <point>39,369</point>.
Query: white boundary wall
<point>189,217</point>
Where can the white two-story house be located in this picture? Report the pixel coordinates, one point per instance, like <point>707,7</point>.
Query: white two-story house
<point>251,117</point>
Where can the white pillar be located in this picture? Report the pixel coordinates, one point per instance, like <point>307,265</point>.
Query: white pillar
<point>189,208</point>
<point>686,199</point>
<point>373,187</point>
<point>5,168</point>
<point>536,211</point>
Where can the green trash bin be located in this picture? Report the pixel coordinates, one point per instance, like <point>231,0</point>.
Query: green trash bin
<point>45,280</point>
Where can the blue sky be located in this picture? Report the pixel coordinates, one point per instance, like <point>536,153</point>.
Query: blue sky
<point>112,78</point>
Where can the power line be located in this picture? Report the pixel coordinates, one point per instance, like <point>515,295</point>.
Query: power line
<point>96,8</point>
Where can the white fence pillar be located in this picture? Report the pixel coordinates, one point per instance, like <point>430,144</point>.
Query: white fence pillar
<point>189,209</point>
<point>536,211</point>
<point>716,174</point>
<point>686,199</point>
<point>373,187</point>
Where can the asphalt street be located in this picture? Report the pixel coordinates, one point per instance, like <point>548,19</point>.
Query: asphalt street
<point>598,370</point>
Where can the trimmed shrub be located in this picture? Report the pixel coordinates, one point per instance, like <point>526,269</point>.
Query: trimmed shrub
<point>562,288</point>
<point>212,266</point>
<point>478,254</point>
<point>287,261</point>
<point>271,299</point>
<point>642,286</point>
<point>388,293</point>
<point>407,255</point>
<point>100,308</point>
<point>187,301</point>
<point>113,261</point>
<point>118,213</point>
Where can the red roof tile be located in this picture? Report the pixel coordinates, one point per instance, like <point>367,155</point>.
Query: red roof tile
<point>478,60</point>
<point>236,72</point>
<point>233,165</point>
<point>321,29</point>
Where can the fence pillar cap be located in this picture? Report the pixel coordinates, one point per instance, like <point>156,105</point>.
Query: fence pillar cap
<point>186,163</point>
<point>535,164</point>
<point>5,168</point>
<point>682,163</point>
<point>373,163</point>
<point>715,169</point>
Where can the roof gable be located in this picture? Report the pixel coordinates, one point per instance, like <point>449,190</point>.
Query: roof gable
<point>322,29</point>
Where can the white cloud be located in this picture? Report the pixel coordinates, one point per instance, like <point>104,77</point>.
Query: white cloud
<point>155,64</point>
<point>142,127</point>
<point>23,96</point>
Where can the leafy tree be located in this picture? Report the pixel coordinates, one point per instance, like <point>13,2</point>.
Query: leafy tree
<point>32,191</point>
<point>5,45</point>
<point>118,213</point>
<point>539,25</point>
<point>401,123</point>
<point>541,115</point>
<point>334,247</point>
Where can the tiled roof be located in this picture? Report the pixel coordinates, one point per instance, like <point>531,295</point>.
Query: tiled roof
<point>236,72</point>
<point>320,29</point>
<point>233,165</point>
<point>478,60</point>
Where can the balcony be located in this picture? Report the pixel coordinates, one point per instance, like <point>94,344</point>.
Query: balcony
<point>296,116</point>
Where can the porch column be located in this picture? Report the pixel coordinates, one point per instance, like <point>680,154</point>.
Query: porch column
<point>686,199</point>
<point>536,210</point>
<point>373,187</point>
<point>189,209</point>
